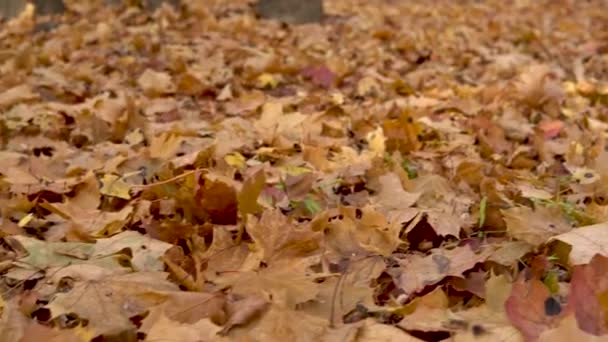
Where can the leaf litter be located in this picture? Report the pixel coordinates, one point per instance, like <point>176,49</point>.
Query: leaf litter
<point>400,171</point>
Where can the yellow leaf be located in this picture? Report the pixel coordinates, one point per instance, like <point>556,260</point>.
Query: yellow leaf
<point>337,98</point>
<point>294,170</point>
<point>25,220</point>
<point>113,185</point>
<point>248,196</point>
<point>134,137</point>
<point>236,160</point>
<point>376,141</point>
<point>267,80</point>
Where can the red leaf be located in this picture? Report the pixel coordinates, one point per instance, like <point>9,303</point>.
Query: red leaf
<point>320,75</point>
<point>589,282</point>
<point>551,129</point>
<point>532,309</point>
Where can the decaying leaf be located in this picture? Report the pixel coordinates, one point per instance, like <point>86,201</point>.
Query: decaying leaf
<point>532,309</point>
<point>418,271</point>
<point>589,287</point>
<point>396,169</point>
<point>586,242</point>
<point>535,226</point>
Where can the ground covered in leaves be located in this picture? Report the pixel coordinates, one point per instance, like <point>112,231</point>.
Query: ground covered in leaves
<point>404,171</point>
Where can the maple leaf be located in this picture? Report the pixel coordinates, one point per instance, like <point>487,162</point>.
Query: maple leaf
<point>586,242</point>
<point>146,252</point>
<point>320,75</point>
<point>353,231</point>
<point>487,322</point>
<point>166,329</point>
<point>276,168</point>
<point>392,196</point>
<point>417,271</point>
<point>108,304</point>
<point>532,309</point>
<point>218,200</point>
<point>340,295</point>
<point>535,226</point>
<point>588,296</point>
<point>277,238</point>
<point>568,330</point>
<point>286,282</point>
<point>156,83</point>
<point>248,196</point>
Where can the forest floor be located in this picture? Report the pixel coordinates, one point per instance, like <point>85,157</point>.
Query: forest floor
<point>403,171</point>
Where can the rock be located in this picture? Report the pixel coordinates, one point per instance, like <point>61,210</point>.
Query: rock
<point>147,4</point>
<point>11,8</point>
<point>46,7</point>
<point>291,11</point>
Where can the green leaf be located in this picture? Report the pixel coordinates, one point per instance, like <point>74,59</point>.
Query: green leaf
<point>482,210</point>
<point>410,168</point>
<point>312,206</point>
<point>43,255</point>
<point>551,281</point>
<point>146,251</point>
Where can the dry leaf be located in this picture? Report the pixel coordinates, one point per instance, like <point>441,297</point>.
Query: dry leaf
<point>586,242</point>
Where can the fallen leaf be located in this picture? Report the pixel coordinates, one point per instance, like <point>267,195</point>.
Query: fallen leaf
<point>417,271</point>
<point>108,304</point>
<point>113,185</point>
<point>244,310</point>
<point>277,238</point>
<point>156,83</point>
<point>166,329</point>
<point>320,75</point>
<point>551,129</point>
<point>248,196</point>
<point>17,94</point>
<point>535,226</point>
<point>146,252</point>
<point>392,195</point>
<point>353,232</point>
<point>532,309</point>
<point>567,331</point>
<point>586,242</point>
<point>587,287</point>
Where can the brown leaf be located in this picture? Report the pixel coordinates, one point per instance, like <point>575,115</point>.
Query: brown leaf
<point>392,196</point>
<point>568,331</point>
<point>186,308</point>
<point>218,200</point>
<point>281,324</point>
<point>535,226</point>
<point>248,196</point>
<point>109,303</point>
<point>17,94</point>
<point>156,83</point>
<point>166,329</point>
<point>243,310</point>
<point>287,282</point>
<point>418,271</point>
<point>352,231</point>
<point>586,242</point>
<point>277,238</point>
<point>402,134</point>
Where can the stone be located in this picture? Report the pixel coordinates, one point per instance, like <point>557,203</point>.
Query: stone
<point>291,11</point>
<point>12,8</point>
<point>46,7</point>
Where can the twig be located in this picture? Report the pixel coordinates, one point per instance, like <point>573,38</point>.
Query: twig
<point>166,181</point>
